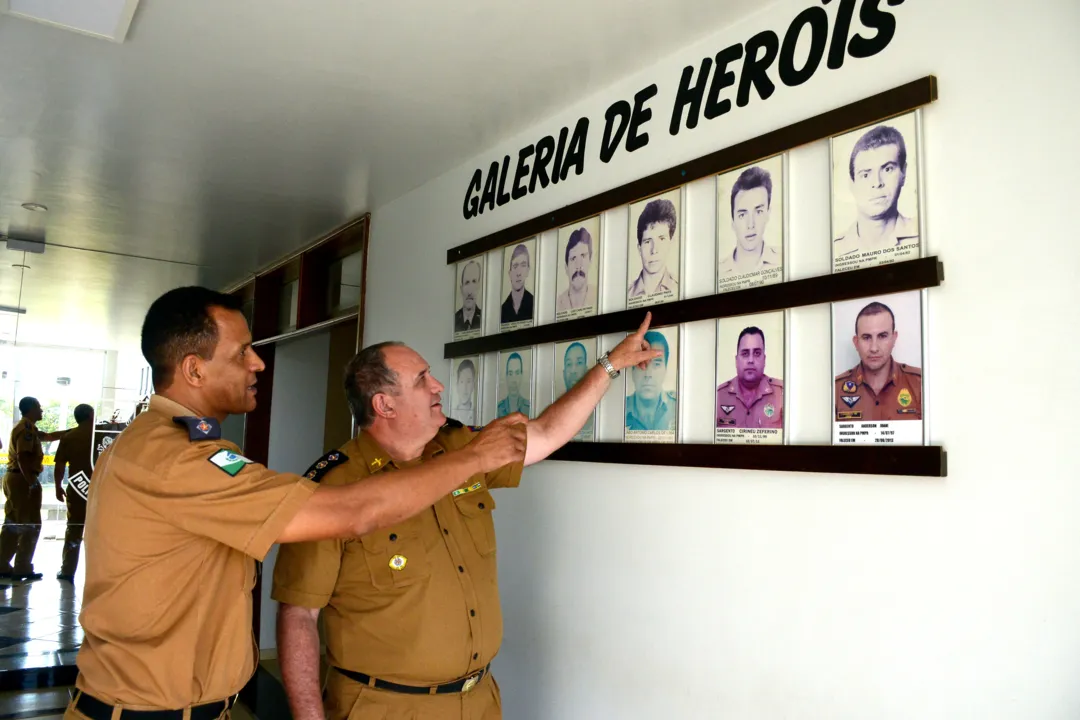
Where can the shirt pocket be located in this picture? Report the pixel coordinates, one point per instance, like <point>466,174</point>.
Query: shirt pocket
<point>475,509</point>
<point>396,557</point>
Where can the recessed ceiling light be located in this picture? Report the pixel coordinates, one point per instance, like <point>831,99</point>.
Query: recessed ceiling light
<point>35,207</point>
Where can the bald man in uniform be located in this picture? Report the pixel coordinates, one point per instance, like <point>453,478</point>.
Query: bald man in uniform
<point>878,388</point>
<point>74,451</point>
<point>177,517</point>
<point>751,399</point>
<point>412,613</point>
<point>22,490</point>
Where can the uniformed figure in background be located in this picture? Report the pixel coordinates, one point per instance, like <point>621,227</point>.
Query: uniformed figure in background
<point>412,614</point>
<point>22,488</point>
<point>177,517</point>
<point>877,168</point>
<point>751,206</point>
<point>751,399</point>
<point>515,400</point>
<point>74,450</point>
<point>878,388</point>
<point>650,407</point>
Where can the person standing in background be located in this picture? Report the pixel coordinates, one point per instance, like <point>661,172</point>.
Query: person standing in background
<point>74,451</point>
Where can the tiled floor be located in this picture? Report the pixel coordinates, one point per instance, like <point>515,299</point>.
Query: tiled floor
<point>39,622</point>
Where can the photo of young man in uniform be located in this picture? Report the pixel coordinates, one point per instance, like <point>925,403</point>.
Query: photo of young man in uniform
<point>468,322</point>
<point>464,391</point>
<point>753,400</point>
<point>572,360</point>
<point>875,195</point>
<point>576,281</point>
<point>750,226</point>
<point>652,408</point>
<point>653,252</point>
<point>518,307</point>
<point>515,384</point>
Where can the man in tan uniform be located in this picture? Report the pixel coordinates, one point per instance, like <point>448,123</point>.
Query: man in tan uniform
<point>412,613</point>
<point>22,488</point>
<point>74,450</point>
<point>751,399</point>
<point>176,518</point>
<point>878,388</point>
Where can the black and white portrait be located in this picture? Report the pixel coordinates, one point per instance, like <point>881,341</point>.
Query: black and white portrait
<point>654,250</point>
<point>875,195</point>
<point>468,296</point>
<point>750,226</point>
<point>465,390</point>
<point>577,276</point>
<point>518,282</point>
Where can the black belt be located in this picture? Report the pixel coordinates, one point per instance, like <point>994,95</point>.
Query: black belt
<point>463,685</point>
<point>95,709</point>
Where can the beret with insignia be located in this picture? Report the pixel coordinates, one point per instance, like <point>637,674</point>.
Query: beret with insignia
<point>325,464</point>
<point>200,428</point>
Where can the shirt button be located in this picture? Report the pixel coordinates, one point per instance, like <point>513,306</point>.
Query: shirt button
<point>481,506</point>
<point>473,613</point>
<point>393,537</point>
<point>460,569</point>
<point>476,656</point>
<point>445,531</point>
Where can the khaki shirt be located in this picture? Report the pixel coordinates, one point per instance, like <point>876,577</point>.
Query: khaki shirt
<point>417,603</point>
<point>25,438</point>
<point>769,258</point>
<point>900,399</point>
<point>766,409</point>
<point>667,283</point>
<point>905,232</point>
<point>173,528</point>
<point>663,418</point>
<point>74,450</point>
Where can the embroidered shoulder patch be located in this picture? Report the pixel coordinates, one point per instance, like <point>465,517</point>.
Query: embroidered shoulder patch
<point>229,462</point>
<point>325,464</point>
<point>200,428</point>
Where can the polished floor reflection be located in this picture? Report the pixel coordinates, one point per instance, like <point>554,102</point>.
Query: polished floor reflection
<point>39,621</point>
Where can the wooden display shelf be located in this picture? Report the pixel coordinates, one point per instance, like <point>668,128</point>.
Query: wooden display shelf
<point>917,461</point>
<point>881,280</point>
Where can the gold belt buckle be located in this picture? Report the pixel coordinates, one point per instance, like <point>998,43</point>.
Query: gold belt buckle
<point>471,683</point>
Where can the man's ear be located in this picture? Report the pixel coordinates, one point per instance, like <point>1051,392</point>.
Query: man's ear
<point>192,370</point>
<point>383,405</point>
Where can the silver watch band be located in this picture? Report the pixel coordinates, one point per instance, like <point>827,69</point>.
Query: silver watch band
<point>608,367</point>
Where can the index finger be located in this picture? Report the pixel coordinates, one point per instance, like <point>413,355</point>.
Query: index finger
<point>644,327</point>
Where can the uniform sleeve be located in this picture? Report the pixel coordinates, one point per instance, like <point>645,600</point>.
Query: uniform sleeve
<point>25,441</point>
<point>306,573</point>
<point>215,492</point>
<point>60,459</point>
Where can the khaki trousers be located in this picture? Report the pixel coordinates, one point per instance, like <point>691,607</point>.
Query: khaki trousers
<point>76,519</point>
<point>346,699</point>
<point>22,523</point>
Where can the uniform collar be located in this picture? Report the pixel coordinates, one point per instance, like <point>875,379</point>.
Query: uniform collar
<point>661,406</point>
<point>169,408</point>
<point>764,387</point>
<point>894,369</point>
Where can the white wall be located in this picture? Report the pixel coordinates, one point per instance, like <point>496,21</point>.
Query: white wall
<point>297,416</point>
<point>683,593</point>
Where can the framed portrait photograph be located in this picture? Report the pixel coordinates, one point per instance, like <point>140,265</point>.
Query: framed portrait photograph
<point>468,297</point>
<point>572,360</point>
<point>750,379</point>
<point>464,389</point>
<point>750,226</point>
<point>877,366</point>
<point>577,278</point>
<point>514,384</point>
<point>875,194</point>
<point>652,399</point>
<point>654,250</point>
<point>518,284</point>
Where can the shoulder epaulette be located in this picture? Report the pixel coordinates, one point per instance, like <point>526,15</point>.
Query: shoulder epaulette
<point>325,464</point>
<point>200,428</point>
<point>843,375</point>
<point>910,370</point>
<point>776,382</point>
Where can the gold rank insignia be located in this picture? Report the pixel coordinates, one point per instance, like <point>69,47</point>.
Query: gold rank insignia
<point>398,562</point>
<point>849,415</point>
<point>849,387</point>
<point>466,490</point>
<point>904,398</point>
<point>375,465</point>
<point>769,410</point>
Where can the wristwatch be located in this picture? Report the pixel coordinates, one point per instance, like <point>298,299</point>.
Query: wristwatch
<point>608,367</point>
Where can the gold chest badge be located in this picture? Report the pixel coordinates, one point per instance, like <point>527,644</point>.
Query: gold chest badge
<point>398,562</point>
<point>904,398</point>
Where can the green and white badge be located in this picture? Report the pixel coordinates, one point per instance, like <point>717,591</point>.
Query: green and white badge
<point>229,462</point>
